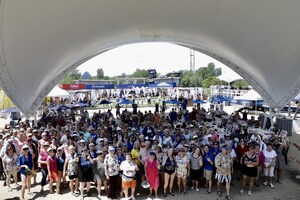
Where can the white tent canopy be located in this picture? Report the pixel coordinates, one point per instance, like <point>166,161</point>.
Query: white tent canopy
<point>41,41</point>
<point>252,95</point>
<point>229,77</point>
<point>58,92</point>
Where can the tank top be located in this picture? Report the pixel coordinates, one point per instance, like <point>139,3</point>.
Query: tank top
<point>195,162</point>
<point>170,164</point>
<point>72,166</point>
<point>252,158</point>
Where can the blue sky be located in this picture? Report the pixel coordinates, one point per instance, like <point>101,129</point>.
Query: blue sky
<point>164,57</point>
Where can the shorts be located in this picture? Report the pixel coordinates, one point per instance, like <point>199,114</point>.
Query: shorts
<point>195,174</point>
<point>207,174</point>
<point>54,176</point>
<point>221,178</point>
<point>269,171</point>
<point>128,184</point>
<point>73,177</point>
<point>249,171</point>
<point>170,172</point>
<point>12,172</point>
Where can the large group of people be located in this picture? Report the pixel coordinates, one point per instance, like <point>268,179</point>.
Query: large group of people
<point>117,154</point>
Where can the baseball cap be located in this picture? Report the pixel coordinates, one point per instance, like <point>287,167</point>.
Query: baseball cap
<point>25,146</point>
<point>111,148</point>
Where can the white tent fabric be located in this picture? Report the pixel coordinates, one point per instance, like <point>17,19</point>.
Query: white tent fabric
<point>229,77</point>
<point>252,95</point>
<point>58,92</point>
<point>41,41</point>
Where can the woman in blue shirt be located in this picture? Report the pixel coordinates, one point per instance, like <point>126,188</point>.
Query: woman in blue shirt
<point>85,172</point>
<point>208,166</point>
<point>25,163</point>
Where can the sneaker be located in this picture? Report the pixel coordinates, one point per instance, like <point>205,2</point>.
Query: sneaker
<point>272,186</point>
<point>298,177</point>
<point>197,189</point>
<point>192,188</point>
<point>242,191</point>
<point>265,183</point>
<point>9,189</point>
<point>99,196</point>
<point>249,193</point>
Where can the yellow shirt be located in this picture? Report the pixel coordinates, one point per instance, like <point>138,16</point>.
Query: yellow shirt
<point>135,155</point>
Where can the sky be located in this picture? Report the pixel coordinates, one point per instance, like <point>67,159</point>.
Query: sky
<point>164,57</point>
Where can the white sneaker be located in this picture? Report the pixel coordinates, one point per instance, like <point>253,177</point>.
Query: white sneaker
<point>99,196</point>
<point>197,189</point>
<point>192,188</point>
<point>272,186</point>
<point>242,191</point>
<point>265,183</point>
<point>298,177</point>
<point>249,193</point>
<point>133,198</point>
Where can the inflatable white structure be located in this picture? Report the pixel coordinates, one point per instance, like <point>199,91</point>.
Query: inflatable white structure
<point>41,41</point>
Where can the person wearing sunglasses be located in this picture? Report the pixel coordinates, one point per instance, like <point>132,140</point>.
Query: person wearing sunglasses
<point>25,164</point>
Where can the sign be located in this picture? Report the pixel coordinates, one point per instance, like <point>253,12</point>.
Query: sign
<point>98,86</point>
<point>129,86</point>
<point>72,86</point>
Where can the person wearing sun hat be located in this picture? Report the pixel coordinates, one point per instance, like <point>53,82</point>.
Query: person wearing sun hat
<point>223,163</point>
<point>25,164</point>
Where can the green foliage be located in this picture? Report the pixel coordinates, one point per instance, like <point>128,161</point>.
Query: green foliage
<point>100,74</point>
<point>195,79</point>
<point>240,84</point>
<point>140,73</point>
<point>71,77</point>
<point>211,81</point>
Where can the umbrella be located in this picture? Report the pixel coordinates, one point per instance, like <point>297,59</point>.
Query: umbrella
<point>174,102</point>
<point>164,85</point>
<point>60,107</point>
<point>79,105</point>
<point>11,110</point>
<point>125,101</point>
<point>198,101</point>
<point>104,101</point>
<point>220,99</point>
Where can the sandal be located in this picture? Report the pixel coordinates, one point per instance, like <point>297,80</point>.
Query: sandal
<point>185,192</point>
<point>208,192</point>
<point>219,193</point>
<point>172,193</point>
<point>165,194</point>
<point>228,197</point>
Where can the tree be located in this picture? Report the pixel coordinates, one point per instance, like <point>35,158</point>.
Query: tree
<point>211,81</point>
<point>71,77</point>
<point>100,74</point>
<point>139,73</point>
<point>239,84</point>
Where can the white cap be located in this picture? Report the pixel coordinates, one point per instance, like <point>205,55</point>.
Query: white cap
<point>25,146</point>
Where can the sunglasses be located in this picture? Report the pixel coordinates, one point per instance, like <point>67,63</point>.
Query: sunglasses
<point>59,150</point>
<point>25,149</point>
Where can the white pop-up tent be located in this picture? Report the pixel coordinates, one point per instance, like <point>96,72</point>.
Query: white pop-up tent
<point>252,95</point>
<point>42,41</point>
<point>58,92</point>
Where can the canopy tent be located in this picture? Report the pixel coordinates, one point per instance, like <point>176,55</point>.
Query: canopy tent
<point>229,77</point>
<point>174,102</point>
<point>11,110</point>
<point>164,85</point>
<point>60,107</point>
<point>198,101</point>
<point>252,95</point>
<point>58,92</point>
<point>261,54</point>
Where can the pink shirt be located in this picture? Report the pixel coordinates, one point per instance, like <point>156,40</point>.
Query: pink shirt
<point>53,165</point>
<point>44,156</point>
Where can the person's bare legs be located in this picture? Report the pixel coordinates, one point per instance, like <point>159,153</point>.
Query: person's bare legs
<point>28,184</point>
<point>167,177</point>
<point>251,183</point>
<point>99,185</point>
<point>132,192</point>
<point>178,183</point>
<point>125,191</point>
<point>71,185</point>
<point>228,188</point>
<point>184,180</point>
<point>51,186</point>
<point>23,177</point>
<point>171,182</point>
<point>82,184</point>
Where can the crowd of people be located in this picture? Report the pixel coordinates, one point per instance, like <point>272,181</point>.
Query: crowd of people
<point>120,153</point>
